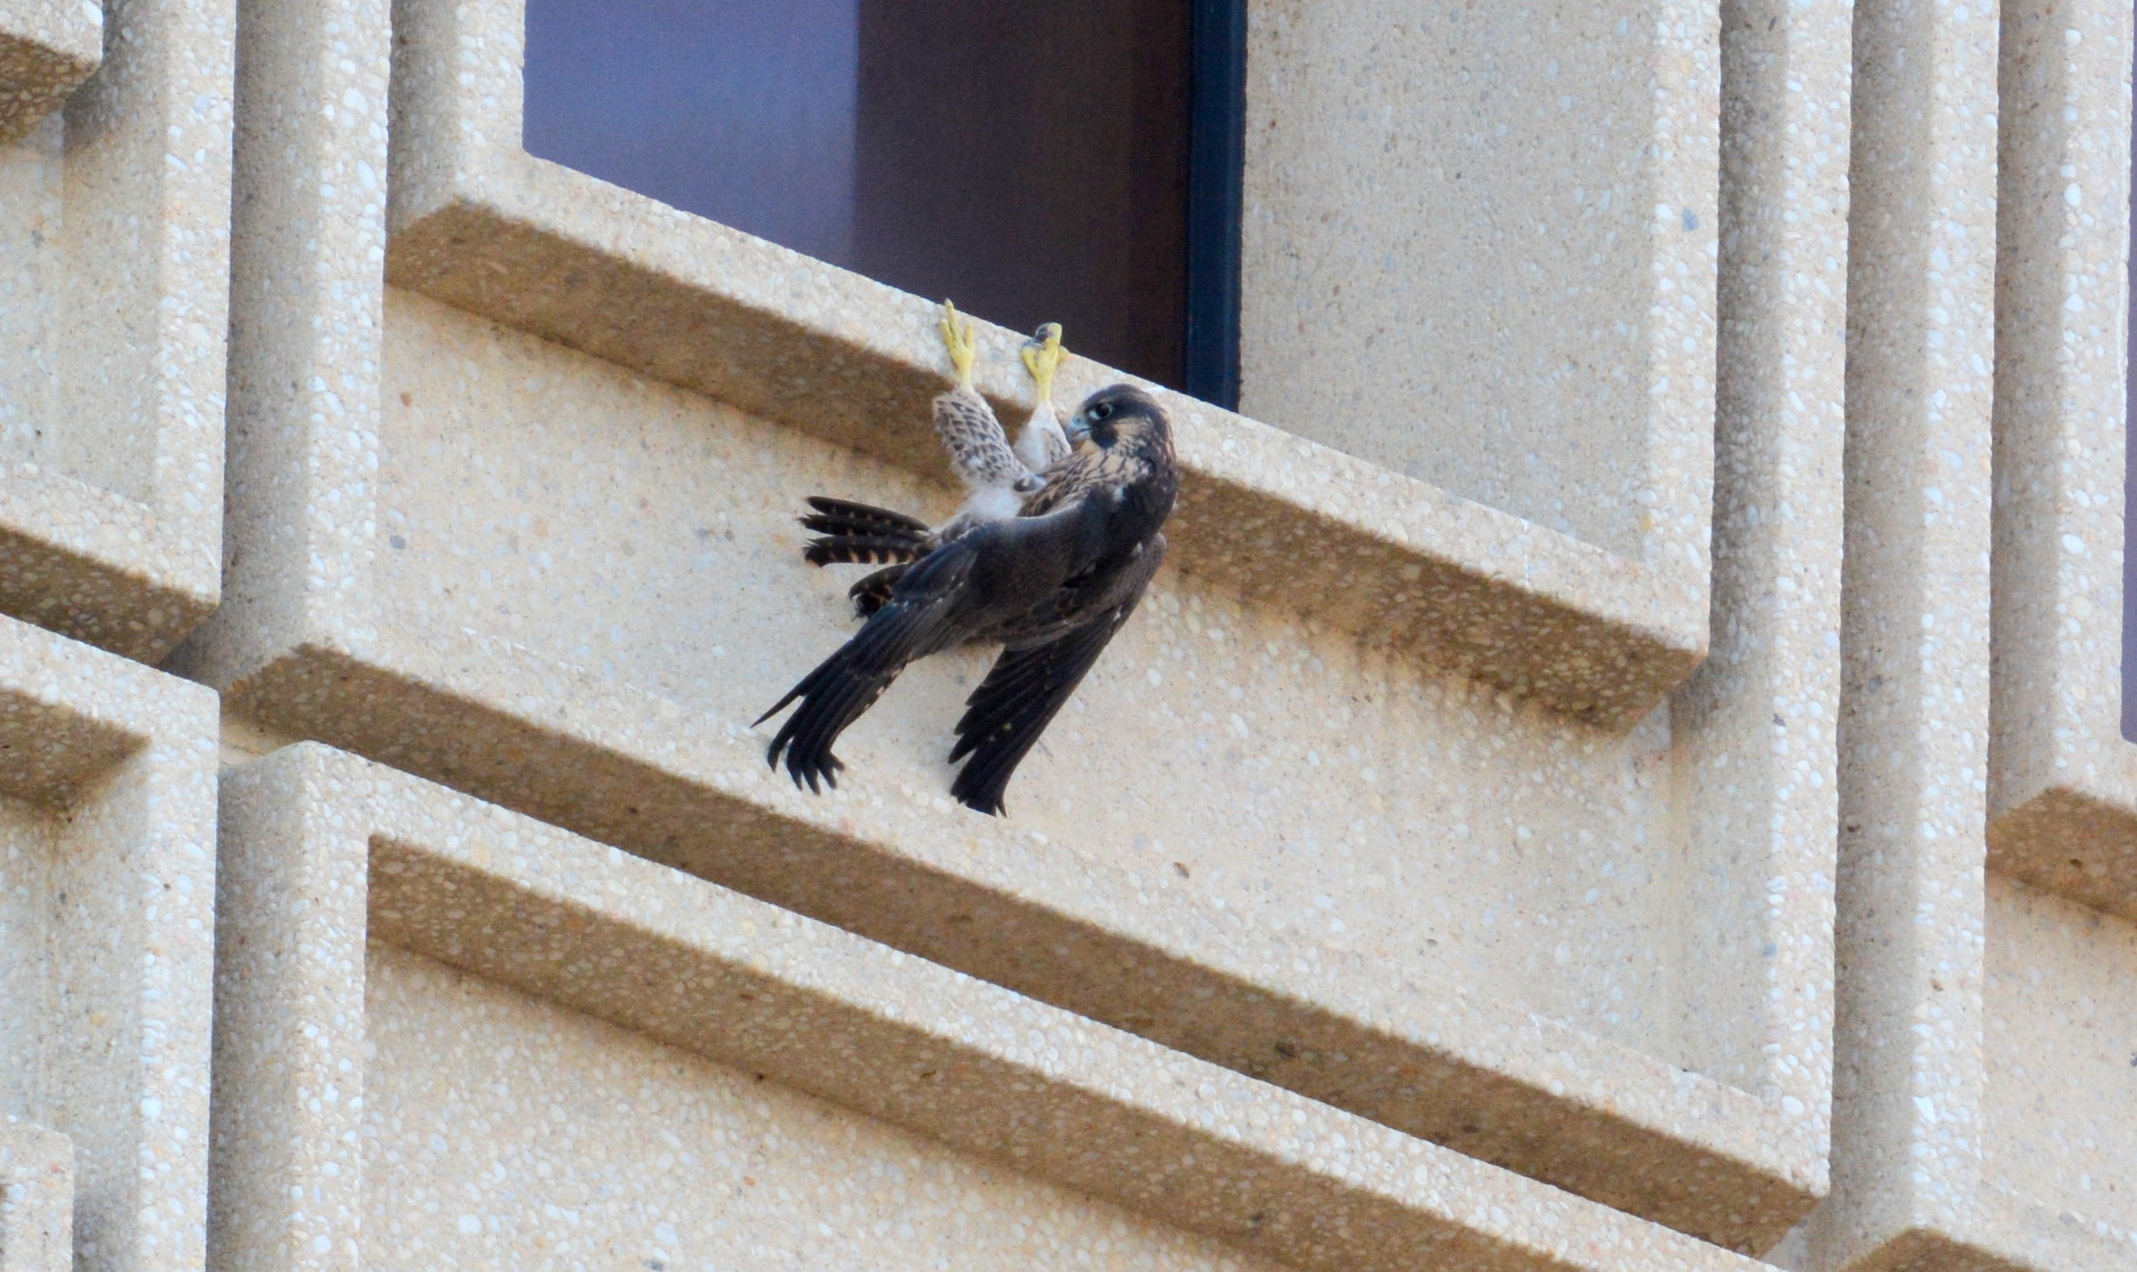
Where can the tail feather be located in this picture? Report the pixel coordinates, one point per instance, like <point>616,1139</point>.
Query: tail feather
<point>840,516</point>
<point>860,549</point>
<point>861,534</point>
<point>873,591</point>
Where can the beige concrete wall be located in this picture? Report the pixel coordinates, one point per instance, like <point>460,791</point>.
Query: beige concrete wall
<point>107,880</point>
<point>1480,246</point>
<point>1619,771</point>
<point>114,285</point>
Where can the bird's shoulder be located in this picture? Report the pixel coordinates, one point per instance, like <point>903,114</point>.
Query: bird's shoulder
<point>1092,470</point>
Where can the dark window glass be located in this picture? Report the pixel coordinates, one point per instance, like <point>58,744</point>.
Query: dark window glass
<point>1031,162</point>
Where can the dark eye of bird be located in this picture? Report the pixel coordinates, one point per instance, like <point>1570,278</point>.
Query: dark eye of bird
<point>1102,410</point>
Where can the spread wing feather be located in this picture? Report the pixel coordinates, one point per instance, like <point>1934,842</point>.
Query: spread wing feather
<point>1030,683</point>
<point>847,683</point>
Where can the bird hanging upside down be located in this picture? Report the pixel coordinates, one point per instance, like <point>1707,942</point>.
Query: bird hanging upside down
<point>1052,583</point>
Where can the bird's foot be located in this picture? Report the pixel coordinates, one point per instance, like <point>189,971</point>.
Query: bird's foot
<point>1043,356</point>
<point>962,342</point>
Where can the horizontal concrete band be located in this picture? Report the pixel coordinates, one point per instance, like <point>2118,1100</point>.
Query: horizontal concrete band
<point>1495,1081</point>
<point>815,1008</point>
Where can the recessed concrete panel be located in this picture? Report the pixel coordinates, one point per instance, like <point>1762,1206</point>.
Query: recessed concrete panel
<point>1479,248</point>
<point>762,1083</point>
<point>1594,631</point>
<point>47,48</point>
<point>114,285</point>
<point>1594,956</point>
<point>107,877</point>
<point>2063,779</point>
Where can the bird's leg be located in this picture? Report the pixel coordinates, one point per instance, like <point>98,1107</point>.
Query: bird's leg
<point>962,342</point>
<point>1042,357</point>
<point>1043,443</point>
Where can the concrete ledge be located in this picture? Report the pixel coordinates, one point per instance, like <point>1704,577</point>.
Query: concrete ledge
<point>47,48</point>
<point>114,258</point>
<point>1491,1079</point>
<point>708,971</point>
<point>36,1198</point>
<point>477,223</point>
<point>107,816</point>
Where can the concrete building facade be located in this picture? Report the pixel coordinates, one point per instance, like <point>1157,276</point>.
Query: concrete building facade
<point>1623,767</point>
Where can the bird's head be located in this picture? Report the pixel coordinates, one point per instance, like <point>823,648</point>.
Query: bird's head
<point>1120,413</point>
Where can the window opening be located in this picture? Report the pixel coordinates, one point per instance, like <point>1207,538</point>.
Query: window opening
<point>1074,163</point>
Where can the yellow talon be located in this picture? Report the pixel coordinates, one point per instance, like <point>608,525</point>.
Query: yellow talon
<point>1043,355</point>
<point>962,342</point>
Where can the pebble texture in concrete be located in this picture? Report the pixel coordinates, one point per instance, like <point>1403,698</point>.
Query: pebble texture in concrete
<point>107,883</point>
<point>1592,956</point>
<point>423,1071</point>
<point>36,1198</point>
<point>1983,1076</point>
<point>47,48</point>
<point>114,255</point>
<point>1480,247</point>
<point>2062,778</point>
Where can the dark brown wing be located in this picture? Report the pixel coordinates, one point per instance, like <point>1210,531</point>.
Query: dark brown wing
<point>873,591</point>
<point>1033,679</point>
<point>919,622</point>
<point>981,583</point>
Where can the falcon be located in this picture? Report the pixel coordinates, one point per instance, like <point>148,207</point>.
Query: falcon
<point>1052,584</point>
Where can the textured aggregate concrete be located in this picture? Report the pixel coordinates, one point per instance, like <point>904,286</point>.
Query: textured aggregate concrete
<point>107,880</point>
<point>372,1071</point>
<point>1983,1112</point>
<point>1597,957</point>
<point>114,253</point>
<point>36,1198</point>
<point>2062,778</point>
<point>47,48</point>
<point>1480,248</point>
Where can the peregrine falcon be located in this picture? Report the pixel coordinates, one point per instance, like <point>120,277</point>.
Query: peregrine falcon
<point>1052,584</point>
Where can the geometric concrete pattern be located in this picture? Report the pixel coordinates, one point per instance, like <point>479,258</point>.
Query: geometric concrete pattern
<point>1623,767</point>
<point>114,265</point>
<point>107,890</point>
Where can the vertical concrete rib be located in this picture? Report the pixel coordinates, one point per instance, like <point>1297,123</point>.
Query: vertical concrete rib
<point>1915,629</point>
<point>1758,718</point>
